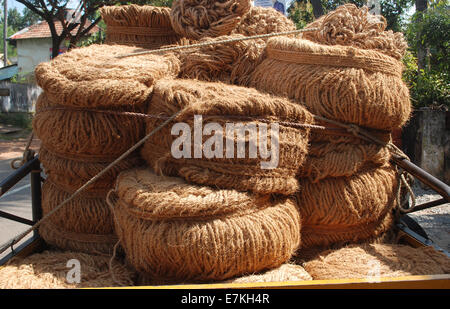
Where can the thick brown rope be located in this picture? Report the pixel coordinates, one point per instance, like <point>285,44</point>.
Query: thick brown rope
<point>143,116</point>
<point>15,240</point>
<point>141,31</point>
<point>363,134</point>
<point>27,154</point>
<point>209,43</point>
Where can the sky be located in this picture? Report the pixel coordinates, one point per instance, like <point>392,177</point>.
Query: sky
<point>20,6</point>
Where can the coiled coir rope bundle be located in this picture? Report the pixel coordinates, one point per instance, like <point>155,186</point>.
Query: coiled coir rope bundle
<point>58,237</point>
<point>341,83</point>
<point>229,105</point>
<point>170,229</point>
<point>323,236</point>
<point>95,77</point>
<point>196,19</point>
<point>87,213</point>
<point>234,62</point>
<point>352,26</point>
<point>71,173</point>
<point>91,134</point>
<point>142,26</point>
<point>263,20</point>
<point>230,62</point>
<point>382,260</point>
<point>284,273</point>
<point>347,209</point>
<point>49,270</point>
<point>335,153</point>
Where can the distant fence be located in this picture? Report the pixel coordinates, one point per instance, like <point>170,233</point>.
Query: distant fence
<point>21,99</point>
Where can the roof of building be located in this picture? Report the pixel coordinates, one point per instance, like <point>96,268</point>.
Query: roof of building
<point>42,30</point>
<point>8,71</point>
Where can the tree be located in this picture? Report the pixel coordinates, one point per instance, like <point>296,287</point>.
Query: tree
<point>54,11</point>
<point>421,7</point>
<point>317,8</point>
<point>428,65</point>
<point>392,10</point>
<point>18,21</point>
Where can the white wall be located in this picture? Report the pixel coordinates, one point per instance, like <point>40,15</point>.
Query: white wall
<point>31,52</point>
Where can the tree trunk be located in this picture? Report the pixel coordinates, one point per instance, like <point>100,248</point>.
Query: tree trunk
<point>56,44</point>
<point>422,52</point>
<point>317,8</point>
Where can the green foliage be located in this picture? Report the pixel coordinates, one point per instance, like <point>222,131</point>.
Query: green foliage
<point>301,11</point>
<point>427,88</point>
<point>12,51</point>
<point>18,21</point>
<point>430,87</point>
<point>21,120</point>
<point>434,29</point>
<point>393,11</point>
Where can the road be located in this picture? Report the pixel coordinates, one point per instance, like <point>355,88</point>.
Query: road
<point>16,201</point>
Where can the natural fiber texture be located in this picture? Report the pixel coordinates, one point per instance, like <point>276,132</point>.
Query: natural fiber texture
<point>349,25</point>
<point>215,246</point>
<point>347,84</point>
<point>324,236</point>
<point>143,26</point>
<point>231,63</point>
<point>347,209</point>
<point>196,19</point>
<point>347,201</point>
<point>94,136</point>
<point>84,214</point>
<point>72,172</point>
<point>377,260</point>
<point>284,273</point>
<point>263,20</point>
<point>93,76</point>
<point>172,197</point>
<point>59,238</point>
<point>219,103</point>
<point>338,155</point>
<point>50,270</point>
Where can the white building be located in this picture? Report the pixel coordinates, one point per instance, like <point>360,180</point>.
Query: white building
<point>34,45</point>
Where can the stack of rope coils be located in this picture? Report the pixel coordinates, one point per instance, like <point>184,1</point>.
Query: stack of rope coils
<point>347,186</point>
<point>210,218</point>
<point>82,122</point>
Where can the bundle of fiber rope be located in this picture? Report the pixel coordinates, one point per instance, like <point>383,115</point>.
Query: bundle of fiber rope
<point>51,270</point>
<point>234,62</point>
<point>172,230</point>
<point>231,63</point>
<point>238,161</point>
<point>351,83</point>
<point>196,19</point>
<point>86,118</point>
<point>349,25</point>
<point>373,261</point>
<point>142,26</point>
<point>263,20</point>
<point>351,209</point>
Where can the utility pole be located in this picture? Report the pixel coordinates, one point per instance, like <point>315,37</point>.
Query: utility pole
<point>5,32</point>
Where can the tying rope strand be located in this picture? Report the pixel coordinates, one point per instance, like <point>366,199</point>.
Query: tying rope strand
<point>254,37</point>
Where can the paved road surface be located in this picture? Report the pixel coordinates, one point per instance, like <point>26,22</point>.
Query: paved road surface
<point>17,201</point>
